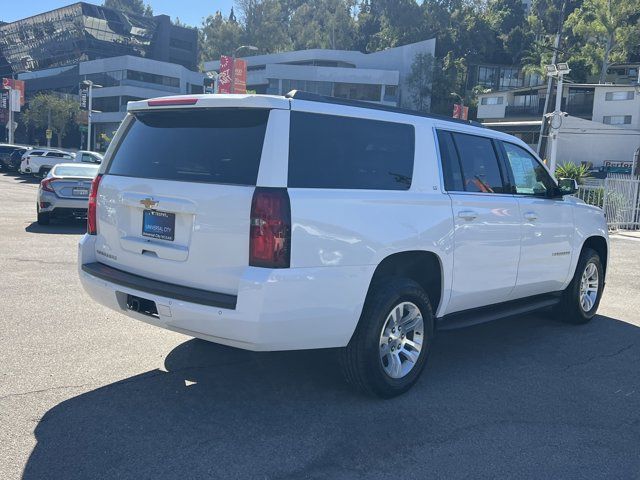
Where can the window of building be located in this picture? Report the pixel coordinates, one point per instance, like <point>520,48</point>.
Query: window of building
<point>390,93</point>
<point>492,100</point>
<point>358,91</point>
<point>487,76</point>
<point>479,164</point>
<point>528,100</point>
<point>510,78</point>
<point>614,96</point>
<point>311,86</point>
<point>153,78</point>
<point>107,79</point>
<point>617,119</point>
<point>106,104</point>
<point>529,175</point>
<point>327,151</point>
<point>181,44</point>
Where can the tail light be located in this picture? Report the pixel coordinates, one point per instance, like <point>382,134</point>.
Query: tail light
<point>46,185</point>
<point>270,234</point>
<point>27,159</point>
<point>92,220</point>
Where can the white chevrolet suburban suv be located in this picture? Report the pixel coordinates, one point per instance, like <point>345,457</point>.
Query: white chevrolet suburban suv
<point>300,222</point>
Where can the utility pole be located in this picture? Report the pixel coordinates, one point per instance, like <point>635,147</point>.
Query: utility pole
<point>556,47</point>
<point>559,70</point>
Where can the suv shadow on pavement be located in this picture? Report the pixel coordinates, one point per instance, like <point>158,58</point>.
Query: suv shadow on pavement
<point>525,397</point>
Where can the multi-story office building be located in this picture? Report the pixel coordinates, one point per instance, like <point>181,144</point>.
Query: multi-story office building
<point>131,57</point>
<point>83,31</point>
<point>378,77</point>
<point>121,80</point>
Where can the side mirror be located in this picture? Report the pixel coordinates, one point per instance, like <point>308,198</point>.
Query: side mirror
<point>567,186</point>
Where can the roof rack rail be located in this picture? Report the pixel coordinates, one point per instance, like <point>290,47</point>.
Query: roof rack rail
<point>314,97</point>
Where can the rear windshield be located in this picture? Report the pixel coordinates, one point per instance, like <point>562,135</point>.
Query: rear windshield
<point>76,170</point>
<point>198,145</point>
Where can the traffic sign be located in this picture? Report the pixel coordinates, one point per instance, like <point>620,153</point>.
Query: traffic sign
<point>49,134</point>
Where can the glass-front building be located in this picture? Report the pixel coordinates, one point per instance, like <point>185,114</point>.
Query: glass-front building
<point>82,32</point>
<point>500,77</point>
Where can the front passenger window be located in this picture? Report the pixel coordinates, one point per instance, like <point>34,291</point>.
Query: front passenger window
<point>530,176</point>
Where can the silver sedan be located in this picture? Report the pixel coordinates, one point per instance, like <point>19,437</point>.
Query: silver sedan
<point>65,191</point>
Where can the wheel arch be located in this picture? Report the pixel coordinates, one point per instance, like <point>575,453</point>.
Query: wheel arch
<point>600,245</point>
<point>422,266</point>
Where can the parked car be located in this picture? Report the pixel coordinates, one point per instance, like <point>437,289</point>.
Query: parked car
<point>15,159</point>
<point>65,192</point>
<point>39,162</point>
<point>86,156</point>
<point>300,222</point>
<point>8,152</point>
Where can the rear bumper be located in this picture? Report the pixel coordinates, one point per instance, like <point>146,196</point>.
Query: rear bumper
<point>62,206</point>
<point>279,309</point>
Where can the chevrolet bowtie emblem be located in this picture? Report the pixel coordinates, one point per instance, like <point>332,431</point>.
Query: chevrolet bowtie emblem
<point>148,203</point>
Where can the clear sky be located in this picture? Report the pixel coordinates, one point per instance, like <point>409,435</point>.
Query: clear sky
<point>190,12</point>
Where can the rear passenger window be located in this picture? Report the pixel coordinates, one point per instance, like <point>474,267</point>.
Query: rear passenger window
<point>198,145</point>
<point>479,164</point>
<point>450,165</point>
<point>328,151</point>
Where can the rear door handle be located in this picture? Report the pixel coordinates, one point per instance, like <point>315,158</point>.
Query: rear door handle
<point>468,214</point>
<point>531,216</point>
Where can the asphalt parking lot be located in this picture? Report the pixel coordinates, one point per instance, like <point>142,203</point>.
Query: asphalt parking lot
<point>86,393</point>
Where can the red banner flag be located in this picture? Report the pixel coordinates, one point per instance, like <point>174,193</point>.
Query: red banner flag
<point>460,111</point>
<point>233,75</point>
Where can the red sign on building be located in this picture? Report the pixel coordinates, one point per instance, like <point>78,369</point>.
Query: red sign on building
<point>233,77</point>
<point>460,111</point>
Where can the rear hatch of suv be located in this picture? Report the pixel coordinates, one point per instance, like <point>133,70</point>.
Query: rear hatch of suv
<point>174,202</point>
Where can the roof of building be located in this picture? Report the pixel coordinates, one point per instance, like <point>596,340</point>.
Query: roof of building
<point>565,85</point>
<point>325,54</point>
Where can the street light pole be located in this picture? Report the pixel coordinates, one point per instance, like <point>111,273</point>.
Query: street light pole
<point>91,85</point>
<point>90,106</point>
<point>10,124</point>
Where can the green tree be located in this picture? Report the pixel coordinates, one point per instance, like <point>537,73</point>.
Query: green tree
<point>420,82</point>
<point>266,25</point>
<point>137,7</point>
<point>325,24</point>
<point>609,29</point>
<point>51,111</point>
<point>219,36</point>
<point>507,19</point>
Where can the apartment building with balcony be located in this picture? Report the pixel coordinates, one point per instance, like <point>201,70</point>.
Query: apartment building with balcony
<point>603,122</point>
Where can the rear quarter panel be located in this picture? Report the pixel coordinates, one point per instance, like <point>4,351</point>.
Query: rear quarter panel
<point>343,228</point>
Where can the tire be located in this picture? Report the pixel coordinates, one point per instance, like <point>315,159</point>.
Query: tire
<point>43,172</point>
<point>364,362</point>
<point>571,308</point>
<point>44,218</point>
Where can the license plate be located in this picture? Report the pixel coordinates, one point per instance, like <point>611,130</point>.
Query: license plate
<point>157,224</point>
<point>80,192</point>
